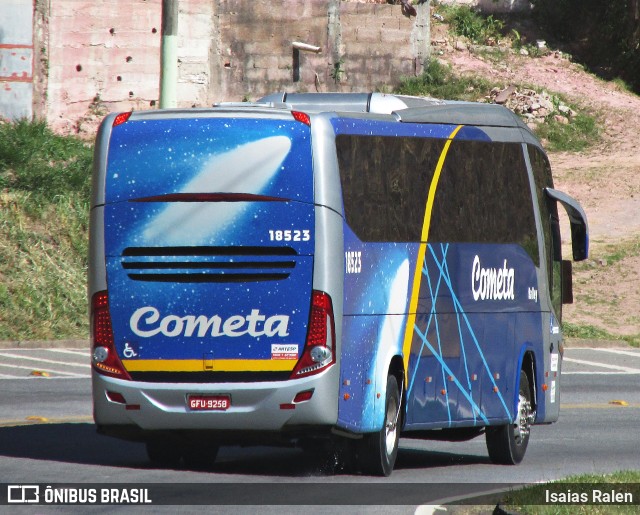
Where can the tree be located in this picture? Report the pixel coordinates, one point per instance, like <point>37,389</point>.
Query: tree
<point>604,35</point>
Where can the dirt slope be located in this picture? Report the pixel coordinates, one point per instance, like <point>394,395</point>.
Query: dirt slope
<point>605,179</point>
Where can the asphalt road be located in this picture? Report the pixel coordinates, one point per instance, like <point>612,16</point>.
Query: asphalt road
<point>46,436</point>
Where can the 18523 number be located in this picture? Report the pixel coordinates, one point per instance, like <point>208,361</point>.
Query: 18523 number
<point>290,235</point>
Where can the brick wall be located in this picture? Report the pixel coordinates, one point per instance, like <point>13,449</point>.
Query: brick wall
<point>364,47</point>
<point>254,51</point>
<point>98,56</point>
<point>102,55</point>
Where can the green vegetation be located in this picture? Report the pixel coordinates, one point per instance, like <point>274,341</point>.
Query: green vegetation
<point>614,253</point>
<point>34,160</point>
<point>582,132</point>
<point>623,85</point>
<point>439,81</point>
<point>604,36</point>
<point>468,23</point>
<point>530,500</point>
<point>586,332</point>
<point>589,332</point>
<point>613,256</point>
<point>45,182</point>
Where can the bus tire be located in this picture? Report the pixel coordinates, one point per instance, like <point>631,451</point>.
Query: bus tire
<point>377,452</point>
<point>507,444</point>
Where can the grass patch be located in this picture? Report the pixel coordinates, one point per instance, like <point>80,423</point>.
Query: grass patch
<point>615,253</point>
<point>586,332</point>
<point>439,81</point>
<point>590,332</point>
<point>45,182</point>
<point>471,24</point>
<point>34,159</point>
<point>624,85</point>
<point>582,132</point>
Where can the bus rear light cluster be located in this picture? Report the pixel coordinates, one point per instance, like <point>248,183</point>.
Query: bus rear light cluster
<point>301,117</point>
<point>319,349</point>
<point>121,118</point>
<point>104,357</point>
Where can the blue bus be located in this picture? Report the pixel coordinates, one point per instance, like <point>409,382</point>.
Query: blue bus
<point>316,269</point>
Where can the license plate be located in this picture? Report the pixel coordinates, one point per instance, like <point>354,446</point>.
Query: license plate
<point>209,402</point>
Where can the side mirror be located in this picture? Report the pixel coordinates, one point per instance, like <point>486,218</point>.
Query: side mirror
<point>578,219</point>
<point>567,282</point>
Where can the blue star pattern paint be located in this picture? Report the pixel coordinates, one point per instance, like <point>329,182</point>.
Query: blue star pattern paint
<point>337,267</point>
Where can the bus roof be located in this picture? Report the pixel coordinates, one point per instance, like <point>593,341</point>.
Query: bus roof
<point>405,108</point>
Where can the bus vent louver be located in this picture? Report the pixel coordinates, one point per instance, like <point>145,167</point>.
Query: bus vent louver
<point>208,264</point>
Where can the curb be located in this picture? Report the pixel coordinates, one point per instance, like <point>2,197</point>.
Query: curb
<point>589,343</point>
<point>44,344</point>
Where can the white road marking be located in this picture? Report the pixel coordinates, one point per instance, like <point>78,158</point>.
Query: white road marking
<point>70,374</point>
<point>69,351</point>
<point>26,356</point>
<point>596,373</point>
<point>50,378</point>
<point>621,352</point>
<point>43,360</point>
<point>617,368</point>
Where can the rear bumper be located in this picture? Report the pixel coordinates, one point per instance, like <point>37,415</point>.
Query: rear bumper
<point>255,407</point>
<point>285,438</point>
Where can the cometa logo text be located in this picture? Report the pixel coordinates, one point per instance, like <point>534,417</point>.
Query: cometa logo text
<point>147,322</point>
<point>492,283</point>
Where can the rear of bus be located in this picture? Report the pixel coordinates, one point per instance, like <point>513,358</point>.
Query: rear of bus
<point>204,316</point>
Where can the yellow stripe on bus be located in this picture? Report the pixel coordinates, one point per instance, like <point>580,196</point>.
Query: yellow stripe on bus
<point>219,365</point>
<point>417,276</point>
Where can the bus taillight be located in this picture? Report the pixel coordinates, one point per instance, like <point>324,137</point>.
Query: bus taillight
<point>319,349</point>
<point>301,117</point>
<point>121,118</point>
<point>104,358</point>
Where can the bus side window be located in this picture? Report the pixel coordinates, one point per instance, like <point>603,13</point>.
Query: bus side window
<point>381,180</point>
<point>550,227</point>
<point>483,196</point>
<point>555,260</point>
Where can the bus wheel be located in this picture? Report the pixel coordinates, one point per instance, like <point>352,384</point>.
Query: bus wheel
<point>377,452</point>
<point>508,444</point>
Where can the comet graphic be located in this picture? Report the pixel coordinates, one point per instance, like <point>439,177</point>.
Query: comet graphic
<point>390,336</point>
<point>247,168</point>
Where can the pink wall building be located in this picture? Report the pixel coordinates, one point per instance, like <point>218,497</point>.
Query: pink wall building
<point>73,61</point>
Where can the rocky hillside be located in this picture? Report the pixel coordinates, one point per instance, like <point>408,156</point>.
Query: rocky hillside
<point>605,178</point>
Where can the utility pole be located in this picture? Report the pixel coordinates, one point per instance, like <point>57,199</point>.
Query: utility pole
<point>169,54</point>
<point>421,36</point>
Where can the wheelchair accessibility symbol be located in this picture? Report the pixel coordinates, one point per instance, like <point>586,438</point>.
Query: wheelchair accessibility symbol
<point>128,351</point>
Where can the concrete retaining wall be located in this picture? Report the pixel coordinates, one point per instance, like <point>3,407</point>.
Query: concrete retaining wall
<point>16,59</point>
<point>96,56</point>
